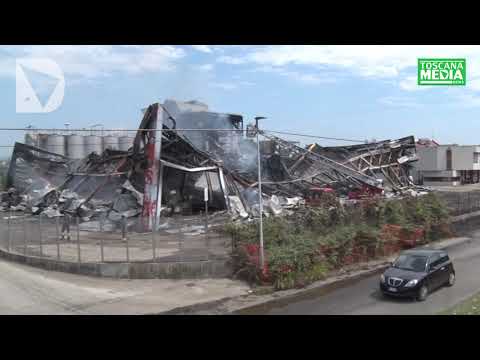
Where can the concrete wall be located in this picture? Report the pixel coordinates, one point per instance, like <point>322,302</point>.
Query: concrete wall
<point>432,163</point>
<point>463,158</point>
<point>133,270</point>
<point>430,158</point>
<point>435,158</point>
<point>443,173</point>
<point>441,183</point>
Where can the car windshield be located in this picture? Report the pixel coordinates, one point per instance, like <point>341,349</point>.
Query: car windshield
<point>411,262</point>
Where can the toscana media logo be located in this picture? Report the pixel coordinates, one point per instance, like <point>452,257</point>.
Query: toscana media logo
<point>441,72</point>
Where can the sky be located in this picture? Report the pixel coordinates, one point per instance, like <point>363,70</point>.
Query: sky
<point>348,91</point>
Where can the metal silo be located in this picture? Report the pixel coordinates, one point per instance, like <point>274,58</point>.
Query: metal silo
<point>42,141</point>
<point>75,146</point>
<point>31,139</point>
<point>93,144</point>
<point>56,144</point>
<point>111,142</point>
<point>125,143</point>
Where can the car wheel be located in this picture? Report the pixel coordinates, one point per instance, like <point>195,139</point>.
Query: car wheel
<point>451,279</point>
<point>422,293</point>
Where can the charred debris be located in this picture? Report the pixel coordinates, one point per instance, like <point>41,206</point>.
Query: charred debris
<point>174,167</point>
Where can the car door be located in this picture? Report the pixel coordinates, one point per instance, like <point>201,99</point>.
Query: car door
<point>434,273</point>
<point>445,268</point>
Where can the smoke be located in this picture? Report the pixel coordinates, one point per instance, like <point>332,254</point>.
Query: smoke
<point>230,147</point>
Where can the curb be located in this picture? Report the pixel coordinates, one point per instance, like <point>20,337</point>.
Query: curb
<point>286,296</point>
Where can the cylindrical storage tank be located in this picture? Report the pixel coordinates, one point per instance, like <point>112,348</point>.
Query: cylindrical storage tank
<point>56,144</point>
<point>125,143</point>
<point>93,144</point>
<point>42,141</point>
<point>31,139</point>
<point>75,146</point>
<point>110,142</point>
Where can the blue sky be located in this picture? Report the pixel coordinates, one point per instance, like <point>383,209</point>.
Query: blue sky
<point>358,92</point>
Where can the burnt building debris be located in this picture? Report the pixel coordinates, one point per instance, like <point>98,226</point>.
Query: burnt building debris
<point>183,151</point>
<point>389,161</point>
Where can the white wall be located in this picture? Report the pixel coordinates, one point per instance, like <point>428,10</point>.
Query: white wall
<point>435,158</point>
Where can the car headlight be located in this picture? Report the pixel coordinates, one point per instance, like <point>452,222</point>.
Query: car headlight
<point>382,278</point>
<point>411,283</point>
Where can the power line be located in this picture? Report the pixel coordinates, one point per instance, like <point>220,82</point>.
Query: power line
<point>314,136</point>
<point>52,130</point>
<point>112,130</point>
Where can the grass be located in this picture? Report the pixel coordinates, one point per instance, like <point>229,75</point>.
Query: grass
<point>470,306</point>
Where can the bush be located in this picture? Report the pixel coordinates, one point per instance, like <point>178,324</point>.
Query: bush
<point>303,246</point>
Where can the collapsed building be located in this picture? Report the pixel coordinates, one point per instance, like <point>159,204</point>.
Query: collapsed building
<point>186,159</point>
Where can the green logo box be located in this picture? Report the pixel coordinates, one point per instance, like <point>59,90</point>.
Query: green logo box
<point>442,72</point>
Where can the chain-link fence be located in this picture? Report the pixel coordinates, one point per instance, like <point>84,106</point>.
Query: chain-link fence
<point>177,239</point>
<point>461,202</point>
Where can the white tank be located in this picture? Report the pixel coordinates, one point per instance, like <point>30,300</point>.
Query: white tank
<point>111,142</point>
<point>93,144</point>
<point>125,143</point>
<point>56,144</point>
<point>42,141</point>
<point>75,146</point>
<point>31,139</point>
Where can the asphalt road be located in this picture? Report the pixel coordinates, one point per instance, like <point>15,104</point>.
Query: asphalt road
<point>29,290</point>
<point>362,297</point>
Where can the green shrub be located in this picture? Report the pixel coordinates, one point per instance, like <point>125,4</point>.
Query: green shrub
<point>293,243</point>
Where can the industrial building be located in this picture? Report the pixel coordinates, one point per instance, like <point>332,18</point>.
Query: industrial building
<point>200,161</point>
<point>448,165</point>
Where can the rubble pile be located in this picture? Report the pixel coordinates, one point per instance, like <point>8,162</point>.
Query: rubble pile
<point>222,164</point>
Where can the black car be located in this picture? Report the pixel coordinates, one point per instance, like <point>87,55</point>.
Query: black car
<point>415,273</point>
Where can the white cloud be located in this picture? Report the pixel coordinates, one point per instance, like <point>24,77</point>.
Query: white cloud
<point>466,100</point>
<point>202,48</point>
<point>307,78</point>
<point>399,102</point>
<point>473,84</point>
<point>410,83</point>
<point>370,61</point>
<point>223,85</point>
<point>92,61</point>
<point>231,60</point>
<point>205,67</point>
<point>231,85</point>
<point>7,67</point>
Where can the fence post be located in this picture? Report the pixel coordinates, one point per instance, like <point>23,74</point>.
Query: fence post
<point>154,244</point>
<point>180,239</point>
<point>40,234</point>
<point>57,237</point>
<point>125,237</point>
<point>25,236</point>
<point>102,219</point>
<point>207,240</point>
<point>66,227</point>
<point>8,230</point>
<point>78,238</point>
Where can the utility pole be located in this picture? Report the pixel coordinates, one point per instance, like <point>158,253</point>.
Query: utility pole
<point>260,199</point>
